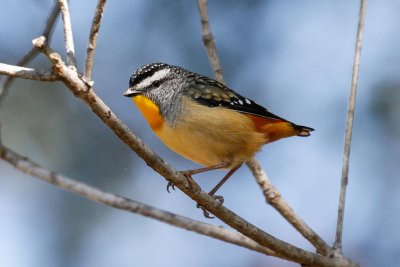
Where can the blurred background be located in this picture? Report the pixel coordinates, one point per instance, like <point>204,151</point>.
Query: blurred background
<point>294,57</point>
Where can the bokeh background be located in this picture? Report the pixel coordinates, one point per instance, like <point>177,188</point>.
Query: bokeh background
<point>294,57</point>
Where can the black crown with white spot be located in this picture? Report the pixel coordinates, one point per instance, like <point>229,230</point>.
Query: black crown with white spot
<point>144,72</point>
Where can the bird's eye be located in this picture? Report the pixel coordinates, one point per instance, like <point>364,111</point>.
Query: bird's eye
<point>156,83</point>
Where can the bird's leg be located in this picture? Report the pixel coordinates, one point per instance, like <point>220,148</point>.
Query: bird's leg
<point>206,169</point>
<point>218,186</point>
<point>220,199</point>
<point>188,174</point>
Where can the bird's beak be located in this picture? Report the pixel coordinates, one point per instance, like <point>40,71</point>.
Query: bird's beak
<point>130,92</point>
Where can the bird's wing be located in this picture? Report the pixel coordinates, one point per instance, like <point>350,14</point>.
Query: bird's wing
<point>211,93</point>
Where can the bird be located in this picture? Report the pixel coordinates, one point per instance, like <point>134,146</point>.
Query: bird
<point>203,120</point>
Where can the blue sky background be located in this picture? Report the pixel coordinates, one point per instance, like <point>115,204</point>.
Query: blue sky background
<point>294,57</point>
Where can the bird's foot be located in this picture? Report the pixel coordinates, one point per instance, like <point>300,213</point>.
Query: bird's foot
<point>192,184</point>
<point>170,185</point>
<point>219,199</point>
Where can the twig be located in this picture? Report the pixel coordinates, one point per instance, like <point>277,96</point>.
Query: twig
<point>274,198</point>
<point>27,73</point>
<point>86,93</point>
<point>47,32</point>
<point>271,194</point>
<point>27,166</point>
<point>209,43</point>
<point>29,56</point>
<point>349,128</point>
<point>69,39</point>
<point>33,51</point>
<point>93,39</point>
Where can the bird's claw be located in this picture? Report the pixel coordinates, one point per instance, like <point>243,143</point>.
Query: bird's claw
<point>205,212</point>
<point>170,185</point>
<point>192,184</point>
<point>219,199</point>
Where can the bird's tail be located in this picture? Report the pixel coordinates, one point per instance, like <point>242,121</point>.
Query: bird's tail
<point>275,129</point>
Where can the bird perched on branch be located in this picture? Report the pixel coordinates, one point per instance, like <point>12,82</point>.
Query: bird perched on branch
<point>203,120</point>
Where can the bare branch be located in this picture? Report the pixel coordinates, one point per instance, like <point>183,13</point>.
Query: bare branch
<point>93,39</point>
<point>27,166</point>
<point>274,198</point>
<point>27,73</point>
<point>209,43</point>
<point>86,93</point>
<point>349,128</point>
<point>29,56</point>
<point>33,51</point>
<point>69,40</point>
<point>271,194</point>
<point>47,32</point>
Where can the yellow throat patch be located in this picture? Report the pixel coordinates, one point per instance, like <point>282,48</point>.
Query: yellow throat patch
<point>150,111</point>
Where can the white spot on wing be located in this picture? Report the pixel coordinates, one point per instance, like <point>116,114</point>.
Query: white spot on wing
<point>158,75</point>
<point>240,102</point>
<point>247,101</point>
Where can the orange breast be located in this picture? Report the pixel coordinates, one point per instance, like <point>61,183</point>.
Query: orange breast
<point>272,128</point>
<point>150,111</point>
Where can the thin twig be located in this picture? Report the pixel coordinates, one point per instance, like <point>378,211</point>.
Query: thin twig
<point>27,73</point>
<point>33,51</point>
<point>29,56</point>
<point>349,128</point>
<point>209,43</point>
<point>86,93</point>
<point>68,36</point>
<point>27,166</point>
<point>47,32</point>
<point>91,47</point>
<point>271,194</point>
<point>274,198</point>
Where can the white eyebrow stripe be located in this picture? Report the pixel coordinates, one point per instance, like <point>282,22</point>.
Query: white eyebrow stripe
<point>158,75</point>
